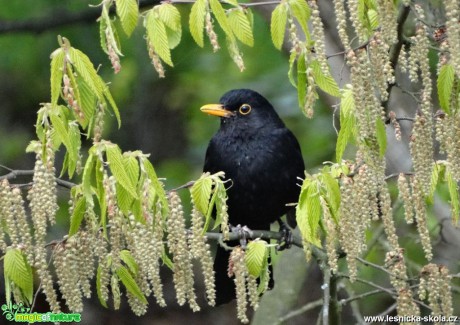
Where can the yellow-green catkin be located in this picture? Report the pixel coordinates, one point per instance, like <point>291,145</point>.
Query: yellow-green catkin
<point>421,216</point>
<point>177,243</point>
<point>237,268</point>
<point>406,196</point>
<point>200,250</point>
<point>435,286</point>
<point>394,262</point>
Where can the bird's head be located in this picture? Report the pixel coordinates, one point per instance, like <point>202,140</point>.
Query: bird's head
<point>243,107</point>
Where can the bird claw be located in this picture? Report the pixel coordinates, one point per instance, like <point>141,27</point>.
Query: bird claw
<point>285,241</point>
<point>244,233</point>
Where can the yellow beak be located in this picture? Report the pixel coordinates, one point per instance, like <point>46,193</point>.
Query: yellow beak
<point>216,110</point>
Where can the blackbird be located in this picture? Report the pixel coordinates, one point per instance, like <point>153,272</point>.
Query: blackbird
<point>263,160</point>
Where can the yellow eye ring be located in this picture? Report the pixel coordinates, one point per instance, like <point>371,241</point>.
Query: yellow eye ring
<point>245,109</point>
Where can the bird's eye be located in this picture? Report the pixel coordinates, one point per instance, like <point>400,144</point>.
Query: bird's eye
<point>245,109</point>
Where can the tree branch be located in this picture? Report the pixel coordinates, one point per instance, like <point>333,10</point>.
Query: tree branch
<point>30,172</point>
<point>58,18</point>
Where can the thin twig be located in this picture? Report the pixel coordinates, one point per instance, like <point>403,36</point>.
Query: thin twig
<point>30,172</point>
<point>343,302</point>
<point>301,310</point>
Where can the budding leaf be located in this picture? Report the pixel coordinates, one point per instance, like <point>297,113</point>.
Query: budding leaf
<point>130,284</point>
<point>308,212</point>
<point>19,271</point>
<point>201,193</point>
<point>115,160</point>
<point>196,21</point>
<point>128,11</point>
<point>256,257</point>
<point>77,215</point>
<point>445,83</point>
<point>324,81</point>
<point>278,25</point>
<point>156,33</point>
<point>347,123</point>
<point>381,136</point>
<point>241,25</point>
<point>454,200</point>
<point>57,65</point>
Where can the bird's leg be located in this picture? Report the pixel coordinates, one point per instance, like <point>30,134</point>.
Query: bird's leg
<point>244,233</point>
<point>286,240</point>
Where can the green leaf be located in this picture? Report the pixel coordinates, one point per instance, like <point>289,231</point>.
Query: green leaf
<point>301,79</point>
<point>77,215</point>
<point>241,26</point>
<point>57,66</point>
<point>445,83</point>
<point>98,287</point>
<point>156,33</point>
<point>308,212</point>
<point>88,175</point>
<point>86,101</point>
<point>59,123</point>
<point>454,200</point>
<point>381,136</point>
<point>115,160</point>
<point>169,15</point>
<point>201,193</point>
<point>301,11</point>
<point>435,179</point>
<point>107,30</point>
<point>19,271</point>
<point>129,260</point>
<point>332,193</point>
<point>130,284</point>
<point>157,186</point>
<point>112,103</point>
<point>373,18</point>
<point>324,81</point>
<point>347,122</point>
<point>278,25</point>
<point>86,70</point>
<point>292,58</point>
<point>221,17</point>
<point>128,11</point>
<point>196,21</point>
<point>75,145</point>
<point>256,257</point>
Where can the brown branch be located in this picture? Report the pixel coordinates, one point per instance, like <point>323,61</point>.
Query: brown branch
<point>29,173</point>
<point>396,48</point>
<point>58,18</point>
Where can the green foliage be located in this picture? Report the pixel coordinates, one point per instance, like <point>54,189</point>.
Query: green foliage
<point>208,193</point>
<point>19,273</point>
<point>196,21</point>
<point>128,11</point>
<point>256,257</point>
<point>308,211</point>
<point>324,81</point>
<point>446,79</point>
<point>381,136</point>
<point>278,24</point>
<point>130,284</point>
<point>347,123</point>
<point>240,21</point>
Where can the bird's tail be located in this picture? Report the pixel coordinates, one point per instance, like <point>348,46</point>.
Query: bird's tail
<point>225,286</point>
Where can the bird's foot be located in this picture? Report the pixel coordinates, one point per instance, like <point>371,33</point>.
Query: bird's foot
<point>243,233</point>
<point>285,241</point>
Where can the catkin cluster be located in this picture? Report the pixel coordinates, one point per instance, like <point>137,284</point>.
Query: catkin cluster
<point>182,258</point>
<point>435,286</point>
<point>394,262</point>
<point>200,250</point>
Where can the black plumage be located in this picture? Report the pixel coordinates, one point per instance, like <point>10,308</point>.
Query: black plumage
<point>264,161</point>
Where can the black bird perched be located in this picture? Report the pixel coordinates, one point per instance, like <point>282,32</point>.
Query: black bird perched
<point>262,158</point>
